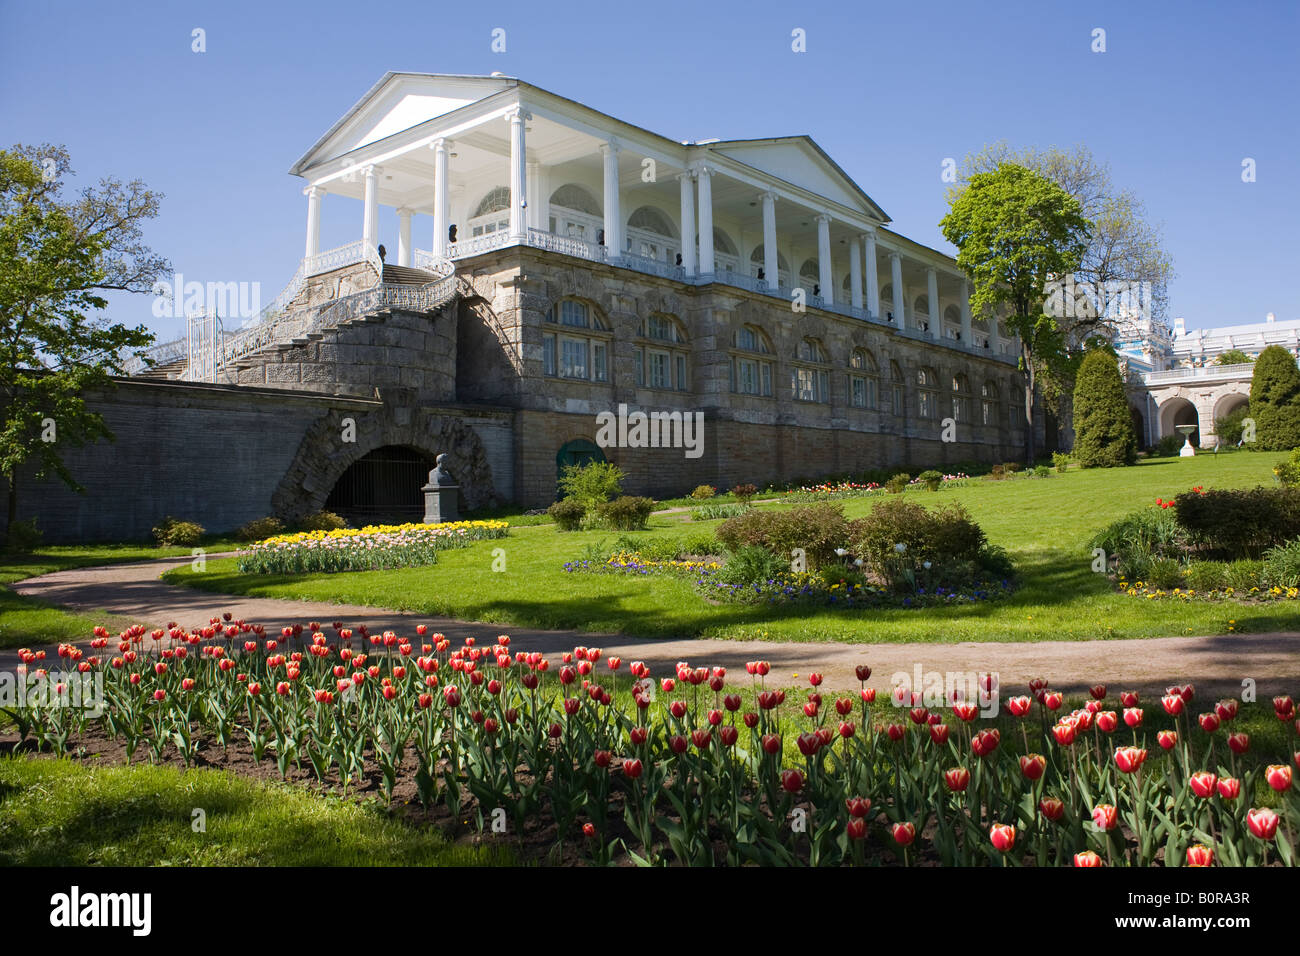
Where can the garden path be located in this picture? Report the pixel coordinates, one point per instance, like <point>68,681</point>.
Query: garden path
<point>1216,665</point>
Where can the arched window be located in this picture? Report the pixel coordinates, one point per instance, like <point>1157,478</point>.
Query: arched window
<point>810,277</point>
<point>897,394</point>
<point>887,302</point>
<point>660,354</point>
<point>725,256</point>
<point>579,346</point>
<point>864,380</point>
<point>952,317</point>
<point>575,213</point>
<point>921,310</point>
<point>989,402</point>
<point>751,363</point>
<point>810,379</point>
<point>961,398</point>
<point>758,257</point>
<point>650,233</point>
<point>927,392</point>
<point>492,214</point>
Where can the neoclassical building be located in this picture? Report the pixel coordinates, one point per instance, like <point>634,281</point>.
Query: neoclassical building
<point>545,263</point>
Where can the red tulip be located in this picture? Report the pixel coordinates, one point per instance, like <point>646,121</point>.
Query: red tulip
<point>808,744</point>
<point>1128,698</point>
<point>848,728</point>
<point>1104,816</point>
<point>732,702</point>
<point>863,672</point>
<point>1098,691</point>
<point>1052,808</point>
<point>1003,837</point>
<point>896,732</point>
<point>1130,759</point>
<point>771,744</point>
<point>1086,858</point>
<point>965,711</point>
<point>939,733</point>
<point>1052,699</point>
<point>1284,707</point>
<point>1226,710</point>
<point>985,742</point>
<point>1107,721</point>
<point>810,709</point>
<point>858,806</point>
<point>1229,788</point>
<point>678,744</point>
<point>957,779</point>
<point>1019,706</point>
<point>1200,855</point>
<point>1239,743</point>
<point>159,694</point>
<point>632,769</point>
<point>1209,722</point>
<point>1262,823</point>
<point>589,830</point>
<point>791,781</point>
<point>856,829</point>
<point>1064,733</point>
<point>815,679</point>
<point>1278,777</point>
<point>1133,716</point>
<point>918,715</point>
<point>1203,783</point>
<point>1173,704</point>
<point>1032,766</point>
<point>728,735</point>
<point>751,720</point>
<point>678,709</point>
<point>903,833</point>
<point>1167,739</point>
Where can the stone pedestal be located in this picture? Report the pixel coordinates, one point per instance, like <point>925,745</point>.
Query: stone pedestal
<point>440,495</point>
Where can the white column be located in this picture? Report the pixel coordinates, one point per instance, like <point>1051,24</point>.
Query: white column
<point>403,237</point>
<point>932,297</point>
<point>855,273</point>
<point>441,198</point>
<point>518,186</point>
<point>995,337</point>
<point>771,261</point>
<point>613,213</point>
<point>873,280</point>
<point>314,194</point>
<point>534,192</point>
<point>965,314</point>
<point>824,276</point>
<point>370,214</point>
<point>688,222</point>
<point>706,221</point>
<point>896,275</point>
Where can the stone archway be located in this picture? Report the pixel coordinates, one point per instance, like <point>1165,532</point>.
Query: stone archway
<point>325,454</point>
<point>1180,411</point>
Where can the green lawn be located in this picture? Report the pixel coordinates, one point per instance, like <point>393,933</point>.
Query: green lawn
<point>25,621</point>
<point>64,813</point>
<point>1043,522</point>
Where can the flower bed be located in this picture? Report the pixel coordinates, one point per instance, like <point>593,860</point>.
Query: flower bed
<point>697,768</point>
<point>814,589</point>
<point>372,548</point>
<point>829,491</point>
<point>631,562</point>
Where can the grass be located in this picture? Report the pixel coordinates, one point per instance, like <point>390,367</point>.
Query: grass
<point>26,621</point>
<point>1044,523</point>
<point>62,813</point>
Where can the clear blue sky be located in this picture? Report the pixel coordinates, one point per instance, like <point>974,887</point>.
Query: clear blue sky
<point>1185,91</point>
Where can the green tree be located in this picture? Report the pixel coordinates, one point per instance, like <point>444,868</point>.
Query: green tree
<point>1015,230</point>
<point>1103,425</point>
<point>58,258</point>
<point>1275,400</point>
<point>1233,357</point>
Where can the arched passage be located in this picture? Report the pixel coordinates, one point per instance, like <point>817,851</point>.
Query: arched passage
<point>382,487</point>
<point>1179,411</point>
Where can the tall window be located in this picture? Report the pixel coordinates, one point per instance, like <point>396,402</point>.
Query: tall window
<point>810,378</point>
<point>927,385</point>
<point>896,392</point>
<point>989,403</point>
<point>660,354</point>
<point>961,398</point>
<point>751,363</point>
<point>576,343</point>
<point>864,380</point>
<point>575,213</point>
<point>492,213</point>
<point>650,233</point>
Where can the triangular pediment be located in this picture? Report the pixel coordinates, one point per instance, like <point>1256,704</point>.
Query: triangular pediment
<point>801,162</point>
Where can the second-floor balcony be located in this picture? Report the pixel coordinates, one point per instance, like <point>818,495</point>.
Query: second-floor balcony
<point>1207,373</point>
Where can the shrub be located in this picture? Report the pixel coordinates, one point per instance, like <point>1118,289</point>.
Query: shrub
<point>847,575</point>
<point>744,492</point>
<point>567,514</point>
<point>1168,446</point>
<point>1042,471</point>
<point>713,512</point>
<point>1282,565</point>
<point>1010,467</point>
<point>1207,575</point>
<point>259,528</point>
<point>1164,573</point>
<point>1103,425</point>
<point>592,483</point>
<point>997,473</point>
<point>946,536</point>
<point>703,492</point>
<point>1060,461</point>
<point>627,513</point>
<point>171,532</point>
<point>23,537</point>
<point>897,483</point>
<point>321,521</point>
<point>931,479</point>
<point>1288,472</point>
<point>1229,428</point>
<point>1239,522</point>
<point>817,529</point>
<point>751,564</point>
<point>1244,575</point>
<point>1141,537</point>
<point>1275,400</point>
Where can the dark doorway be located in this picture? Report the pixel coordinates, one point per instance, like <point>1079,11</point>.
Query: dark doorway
<point>382,487</point>
<point>578,452</point>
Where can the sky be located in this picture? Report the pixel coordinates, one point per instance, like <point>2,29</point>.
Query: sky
<point>1182,95</point>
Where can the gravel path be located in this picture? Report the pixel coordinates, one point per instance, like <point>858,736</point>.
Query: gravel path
<point>1216,665</point>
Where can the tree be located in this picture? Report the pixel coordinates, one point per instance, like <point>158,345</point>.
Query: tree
<point>1233,357</point>
<point>1275,400</point>
<point>1103,426</point>
<point>1124,266</point>
<point>57,260</point>
<point>1015,230</point>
